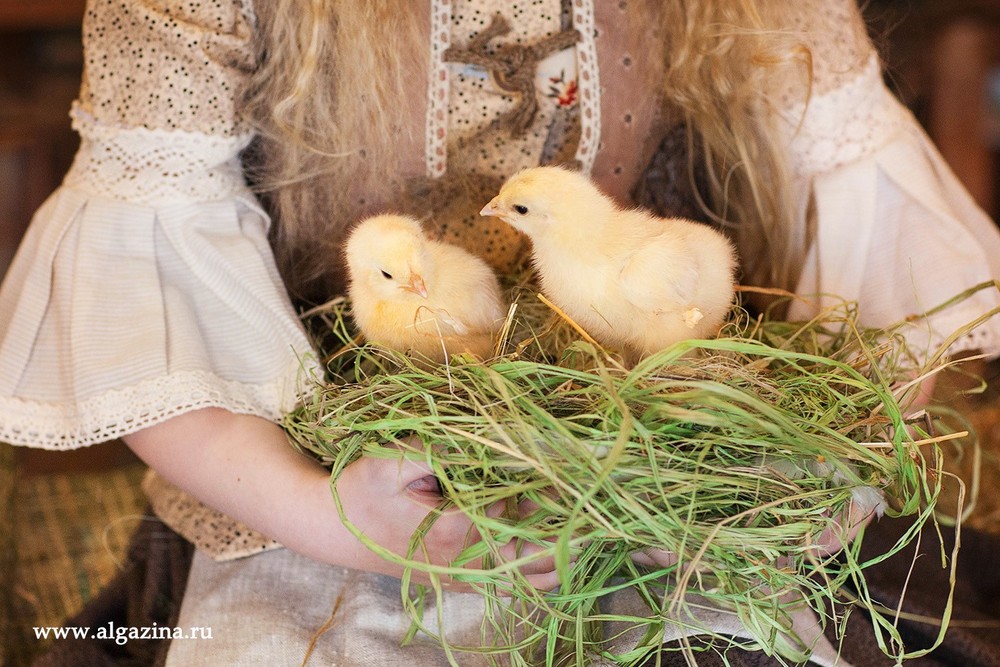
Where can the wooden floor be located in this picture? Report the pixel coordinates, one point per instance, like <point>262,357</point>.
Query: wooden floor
<point>107,456</point>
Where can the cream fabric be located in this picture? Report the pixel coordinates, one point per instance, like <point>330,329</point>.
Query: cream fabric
<point>145,286</point>
<point>472,96</point>
<point>168,65</point>
<point>284,600</point>
<point>895,230</point>
<point>287,602</point>
<point>123,315</point>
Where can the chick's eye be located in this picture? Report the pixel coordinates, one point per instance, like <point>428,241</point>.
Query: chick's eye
<point>387,275</point>
<point>521,209</point>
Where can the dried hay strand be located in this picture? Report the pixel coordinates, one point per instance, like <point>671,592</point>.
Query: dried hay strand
<point>735,454</point>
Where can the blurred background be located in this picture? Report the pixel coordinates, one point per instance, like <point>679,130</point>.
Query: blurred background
<point>65,518</point>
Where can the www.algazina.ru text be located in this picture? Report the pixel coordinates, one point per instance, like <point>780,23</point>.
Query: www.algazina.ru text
<point>121,634</point>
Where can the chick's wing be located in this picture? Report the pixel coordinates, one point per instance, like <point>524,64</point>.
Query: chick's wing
<point>660,275</point>
<point>467,296</point>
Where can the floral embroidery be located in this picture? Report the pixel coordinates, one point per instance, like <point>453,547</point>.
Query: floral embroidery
<point>563,91</point>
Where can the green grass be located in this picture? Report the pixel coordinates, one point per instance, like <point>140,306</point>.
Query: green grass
<point>734,454</point>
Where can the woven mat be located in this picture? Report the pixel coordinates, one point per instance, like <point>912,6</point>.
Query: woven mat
<point>8,481</point>
<point>70,534</point>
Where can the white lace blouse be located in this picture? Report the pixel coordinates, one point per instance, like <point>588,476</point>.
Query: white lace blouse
<point>145,286</point>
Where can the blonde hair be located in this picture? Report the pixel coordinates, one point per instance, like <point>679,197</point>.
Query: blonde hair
<point>311,115</point>
<point>326,101</point>
<point>721,58</point>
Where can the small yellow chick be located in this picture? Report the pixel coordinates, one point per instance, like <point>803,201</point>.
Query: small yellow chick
<point>632,280</point>
<point>417,295</point>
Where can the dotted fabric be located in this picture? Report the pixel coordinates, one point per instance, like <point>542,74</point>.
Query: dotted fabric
<point>469,139</point>
<point>164,64</point>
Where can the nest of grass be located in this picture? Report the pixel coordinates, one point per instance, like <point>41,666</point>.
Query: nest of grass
<point>735,454</point>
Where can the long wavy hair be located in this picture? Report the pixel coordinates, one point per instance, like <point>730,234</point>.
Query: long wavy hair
<point>328,102</point>
<point>726,59</point>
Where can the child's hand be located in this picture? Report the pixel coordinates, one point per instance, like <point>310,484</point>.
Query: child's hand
<point>388,500</point>
<point>841,531</point>
<point>244,467</point>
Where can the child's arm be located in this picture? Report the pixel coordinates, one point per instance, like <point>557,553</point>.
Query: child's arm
<point>245,467</point>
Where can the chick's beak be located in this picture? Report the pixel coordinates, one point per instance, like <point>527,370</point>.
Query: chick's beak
<point>416,285</point>
<point>493,208</point>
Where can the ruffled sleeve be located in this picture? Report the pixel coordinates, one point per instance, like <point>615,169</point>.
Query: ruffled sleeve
<point>145,286</point>
<point>894,230</point>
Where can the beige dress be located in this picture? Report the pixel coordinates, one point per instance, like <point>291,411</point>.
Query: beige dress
<point>146,288</point>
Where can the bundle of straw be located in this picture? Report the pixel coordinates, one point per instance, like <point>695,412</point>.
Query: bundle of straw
<point>734,454</point>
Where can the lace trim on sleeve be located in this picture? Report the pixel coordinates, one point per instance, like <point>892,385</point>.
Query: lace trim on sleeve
<point>844,124</point>
<point>148,166</point>
<point>118,412</point>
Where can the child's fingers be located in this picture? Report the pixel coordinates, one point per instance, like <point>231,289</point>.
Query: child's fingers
<point>845,527</point>
<point>545,581</point>
<point>452,530</point>
<point>655,558</point>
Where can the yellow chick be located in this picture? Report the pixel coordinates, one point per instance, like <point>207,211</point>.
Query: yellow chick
<point>632,280</point>
<point>416,295</point>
